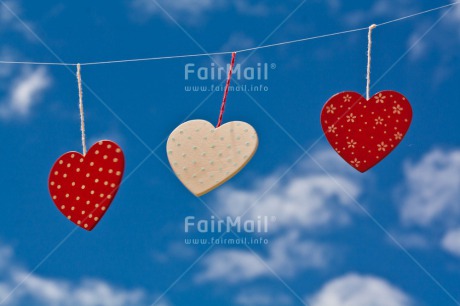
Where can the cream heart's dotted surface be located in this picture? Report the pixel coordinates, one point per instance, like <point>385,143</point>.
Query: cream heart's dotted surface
<point>83,187</point>
<point>204,157</point>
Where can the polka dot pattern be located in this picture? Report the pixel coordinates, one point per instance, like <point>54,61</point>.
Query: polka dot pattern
<point>364,132</point>
<point>204,157</point>
<point>83,187</point>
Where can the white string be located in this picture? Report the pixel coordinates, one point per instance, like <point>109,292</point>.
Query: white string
<point>82,114</point>
<point>369,53</point>
<point>228,52</point>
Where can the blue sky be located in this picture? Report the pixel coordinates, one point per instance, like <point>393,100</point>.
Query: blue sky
<point>388,237</point>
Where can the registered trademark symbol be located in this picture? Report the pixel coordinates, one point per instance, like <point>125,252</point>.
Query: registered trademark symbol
<point>273,66</point>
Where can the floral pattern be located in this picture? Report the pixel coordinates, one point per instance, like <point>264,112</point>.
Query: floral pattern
<point>331,129</point>
<point>364,132</point>
<point>351,144</point>
<point>351,118</point>
<point>397,109</point>
<point>382,146</point>
<point>330,109</point>
<point>380,98</point>
<point>355,162</point>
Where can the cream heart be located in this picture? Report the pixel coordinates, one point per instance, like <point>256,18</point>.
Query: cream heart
<point>204,157</point>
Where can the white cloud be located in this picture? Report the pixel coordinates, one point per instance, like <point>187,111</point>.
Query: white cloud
<point>334,5</point>
<point>287,256</point>
<point>454,16</point>
<point>248,8</point>
<point>231,266</point>
<point>308,199</point>
<point>46,291</point>
<point>9,22</point>
<point>451,242</point>
<point>357,290</point>
<point>443,40</point>
<point>26,91</point>
<point>413,240</point>
<point>432,191</point>
<point>6,253</point>
<point>419,47</point>
<point>189,8</point>
<point>6,54</point>
<point>290,254</point>
<point>430,202</point>
<point>305,201</point>
<point>5,16</point>
<point>87,293</point>
<point>20,85</point>
<point>174,251</point>
<point>440,41</point>
<point>262,298</point>
<point>193,11</point>
<point>379,9</point>
<point>238,41</point>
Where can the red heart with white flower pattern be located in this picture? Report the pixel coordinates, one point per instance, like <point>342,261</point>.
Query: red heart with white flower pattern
<point>363,132</point>
<point>83,187</point>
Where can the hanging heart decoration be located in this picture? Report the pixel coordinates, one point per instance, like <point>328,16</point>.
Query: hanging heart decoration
<point>363,132</point>
<point>204,157</point>
<point>83,187</point>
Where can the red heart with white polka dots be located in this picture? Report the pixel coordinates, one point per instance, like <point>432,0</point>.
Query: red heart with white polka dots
<point>363,132</point>
<point>83,187</point>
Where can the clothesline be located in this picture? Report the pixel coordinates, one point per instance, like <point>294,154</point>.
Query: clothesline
<point>229,52</point>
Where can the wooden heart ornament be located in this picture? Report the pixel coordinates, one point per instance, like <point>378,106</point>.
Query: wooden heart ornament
<point>363,132</point>
<point>204,157</point>
<point>83,187</point>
